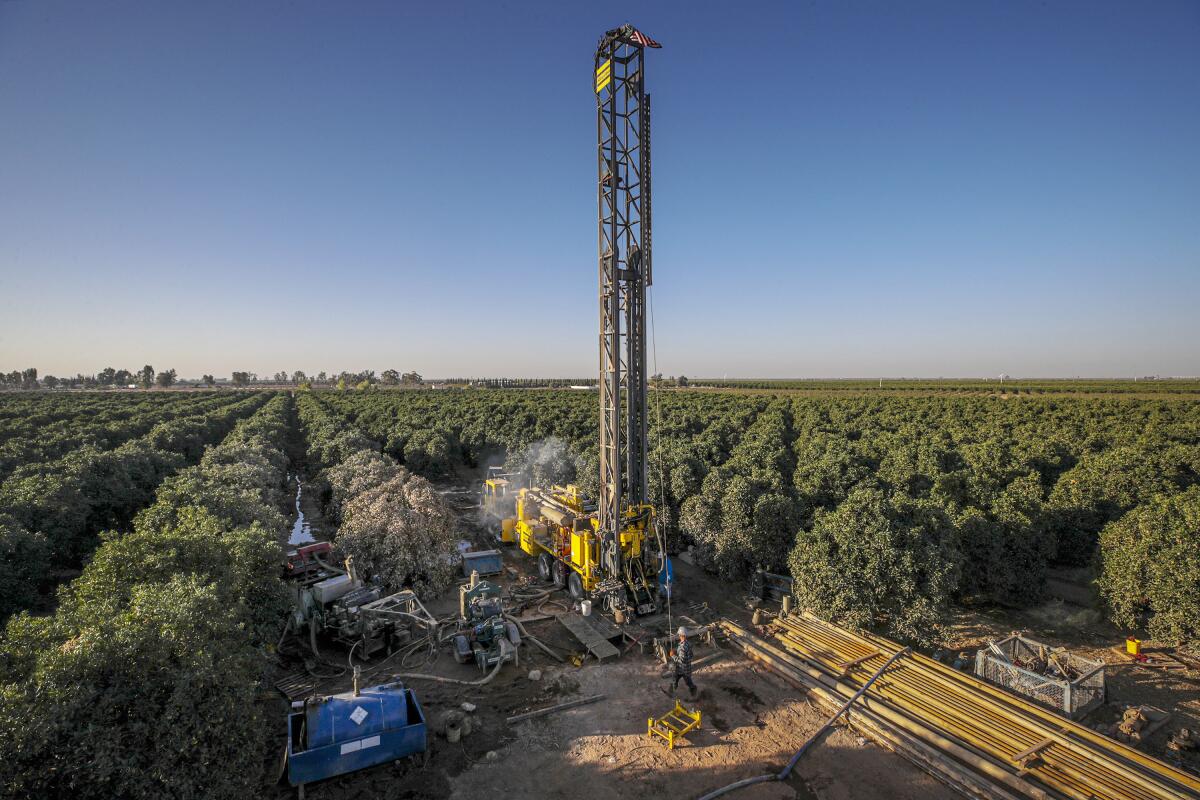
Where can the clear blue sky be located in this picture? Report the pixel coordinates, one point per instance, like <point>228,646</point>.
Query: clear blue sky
<point>841,188</point>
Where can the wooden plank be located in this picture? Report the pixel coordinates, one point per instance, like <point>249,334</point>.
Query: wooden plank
<point>296,685</point>
<point>1024,754</point>
<point>602,626</point>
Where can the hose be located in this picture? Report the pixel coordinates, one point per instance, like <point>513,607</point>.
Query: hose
<point>329,567</point>
<point>783,774</point>
<point>404,653</point>
<point>504,646</point>
<point>527,635</point>
<point>422,621</point>
<point>530,595</point>
<point>552,601</point>
<point>430,656</point>
<point>312,638</point>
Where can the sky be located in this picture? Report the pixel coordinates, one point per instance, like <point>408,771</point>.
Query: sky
<point>842,189</point>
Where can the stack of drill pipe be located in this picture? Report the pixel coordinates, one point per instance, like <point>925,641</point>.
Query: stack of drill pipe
<point>1079,762</point>
<point>973,776</point>
<point>981,726</point>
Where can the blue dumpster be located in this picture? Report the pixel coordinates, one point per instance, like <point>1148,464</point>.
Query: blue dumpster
<point>342,733</point>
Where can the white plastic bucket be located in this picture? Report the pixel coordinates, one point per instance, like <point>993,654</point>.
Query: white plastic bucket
<point>585,606</point>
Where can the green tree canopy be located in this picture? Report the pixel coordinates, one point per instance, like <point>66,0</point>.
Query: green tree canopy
<point>1151,565</point>
<point>879,562</point>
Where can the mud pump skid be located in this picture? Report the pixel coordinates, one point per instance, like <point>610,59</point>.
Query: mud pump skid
<point>610,550</point>
<point>484,635</point>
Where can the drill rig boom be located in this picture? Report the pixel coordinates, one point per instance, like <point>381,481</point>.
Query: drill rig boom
<point>605,550</point>
<point>623,200</point>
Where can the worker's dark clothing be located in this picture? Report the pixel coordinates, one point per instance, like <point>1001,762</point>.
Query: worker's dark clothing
<point>683,666</point>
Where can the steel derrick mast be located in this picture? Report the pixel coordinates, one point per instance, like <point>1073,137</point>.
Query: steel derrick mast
<point>608,551</point>
<point>625,268</point>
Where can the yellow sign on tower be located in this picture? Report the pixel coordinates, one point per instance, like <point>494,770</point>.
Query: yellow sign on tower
<point>603,75</point>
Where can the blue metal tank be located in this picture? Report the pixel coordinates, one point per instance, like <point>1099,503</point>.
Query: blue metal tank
<point>342,733</point>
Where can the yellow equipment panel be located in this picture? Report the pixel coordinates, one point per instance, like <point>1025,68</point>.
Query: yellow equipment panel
<point>527,543</point>
<point>603,75</point>
<point>554,521</point>
<point>581,551</point>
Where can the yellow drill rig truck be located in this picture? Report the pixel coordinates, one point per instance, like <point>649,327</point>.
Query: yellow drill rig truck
<point>563,530</point>
<point>609,550</point>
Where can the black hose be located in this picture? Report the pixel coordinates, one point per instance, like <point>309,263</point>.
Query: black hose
<point>783,774</point>
<point>482,681</point>
<point>312,638</point>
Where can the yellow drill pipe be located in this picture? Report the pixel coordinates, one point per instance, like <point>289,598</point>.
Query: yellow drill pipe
<point>899,720</point>
<point>1094,773</point>
<point>1019,724</point>
<point>1114,748</point>
<point>965,729</point>
<point>1049,717</point>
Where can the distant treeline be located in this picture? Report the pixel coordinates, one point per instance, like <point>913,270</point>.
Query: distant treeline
<point>147,377</point>
<point>519,383</point>
<point>27,379</point>
<point>993,385</point>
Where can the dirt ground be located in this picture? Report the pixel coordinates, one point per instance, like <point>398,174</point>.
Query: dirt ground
<point>1082,629</point>
<point>752,724</point>
<point>751,721</point>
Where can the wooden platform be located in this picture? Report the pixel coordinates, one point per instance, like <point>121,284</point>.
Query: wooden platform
<point>595,632</point>
<point>296,686</point>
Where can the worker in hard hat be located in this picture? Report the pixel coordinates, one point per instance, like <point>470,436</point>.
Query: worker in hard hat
<point>682,658</point>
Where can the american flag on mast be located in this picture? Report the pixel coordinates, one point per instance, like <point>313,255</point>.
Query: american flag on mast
<point>637,37</point>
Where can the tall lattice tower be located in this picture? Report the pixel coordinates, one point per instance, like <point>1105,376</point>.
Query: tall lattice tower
<point>624,243</point>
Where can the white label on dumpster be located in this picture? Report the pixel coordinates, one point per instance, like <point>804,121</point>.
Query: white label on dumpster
<point>358,715</point>
<point>361,744</point>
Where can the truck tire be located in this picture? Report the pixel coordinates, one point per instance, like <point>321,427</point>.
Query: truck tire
<point>575,585</point>
<point>546,567</point>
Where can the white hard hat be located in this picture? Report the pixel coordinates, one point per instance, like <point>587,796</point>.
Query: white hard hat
<point>682,631</point>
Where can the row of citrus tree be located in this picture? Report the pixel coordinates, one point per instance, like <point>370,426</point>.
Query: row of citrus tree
<point>52,512</point>
<point>95,420</point>
<point>1008,385</point>
<point>888,509</point>
<point>148,679</point>
<point>392,522</point>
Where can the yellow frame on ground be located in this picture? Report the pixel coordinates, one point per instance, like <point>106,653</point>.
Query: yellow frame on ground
<point>674,725</point>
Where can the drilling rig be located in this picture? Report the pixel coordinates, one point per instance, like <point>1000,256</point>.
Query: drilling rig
<point>610,550</point>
